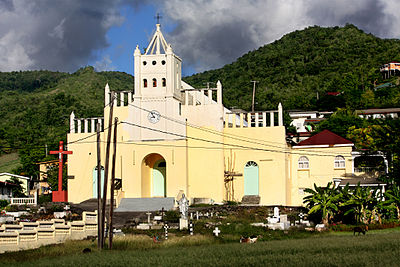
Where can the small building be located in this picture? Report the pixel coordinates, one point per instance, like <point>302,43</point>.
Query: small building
<point>390,69</point>
<point>6,190</point>
<point>24,180</point>
<point>379,113</point>
<point>44,167</point>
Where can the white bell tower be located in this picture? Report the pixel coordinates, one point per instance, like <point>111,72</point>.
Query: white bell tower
<point>158,71</point>
<point>157,97</point>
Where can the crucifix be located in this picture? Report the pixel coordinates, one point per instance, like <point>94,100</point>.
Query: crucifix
<point>158,17</point>
<point>60,195</point>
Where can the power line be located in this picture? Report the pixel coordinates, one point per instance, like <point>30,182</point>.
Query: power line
<point>232,136</point>
<point>230,146</point>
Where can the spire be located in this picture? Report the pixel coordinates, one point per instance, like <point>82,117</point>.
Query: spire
<point>157,44</point>
<point>137,51</point>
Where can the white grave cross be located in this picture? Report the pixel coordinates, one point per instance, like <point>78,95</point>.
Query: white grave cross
<point>216,231</point>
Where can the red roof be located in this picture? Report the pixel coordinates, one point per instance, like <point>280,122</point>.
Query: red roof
<point>325,137</point>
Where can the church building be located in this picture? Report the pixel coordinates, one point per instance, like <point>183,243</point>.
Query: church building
<point>173,139</point>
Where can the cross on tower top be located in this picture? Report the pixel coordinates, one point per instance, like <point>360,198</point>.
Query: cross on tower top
<point>158,17</point>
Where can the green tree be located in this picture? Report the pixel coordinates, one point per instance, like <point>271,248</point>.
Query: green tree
<point>361,203</point>
<point>324,200</point>
<point>393,199</point>
<point>17,190</point>
<point>52,178</point>
<point>340,122</point>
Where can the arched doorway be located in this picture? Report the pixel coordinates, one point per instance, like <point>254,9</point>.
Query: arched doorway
<point>94,181</point>
<point>158,182</point>
<point>154,176</point>
<point>251,179</point>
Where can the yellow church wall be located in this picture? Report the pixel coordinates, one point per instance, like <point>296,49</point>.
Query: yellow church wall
<point>81,165</point>
<point>270,157</point>
<point>205,164</point>
<point>321,169</point>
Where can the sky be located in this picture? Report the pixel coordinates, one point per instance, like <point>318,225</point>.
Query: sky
<point>65,35</point>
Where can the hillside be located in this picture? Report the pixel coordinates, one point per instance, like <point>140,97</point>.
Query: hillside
<point>35,107</point>
<point>301,64</point>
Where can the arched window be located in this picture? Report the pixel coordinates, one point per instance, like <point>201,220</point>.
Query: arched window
<point>154,82</point>
<point>304,163</point>
<point>340,162</point>
<point>144,82</point>
<point>251,164</point>
<point>164,82</point>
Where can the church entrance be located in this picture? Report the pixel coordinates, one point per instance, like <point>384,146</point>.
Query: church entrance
<point>159,178</point>
<point>251,179</point>
<point>154,176</point>
<point>94,183</point>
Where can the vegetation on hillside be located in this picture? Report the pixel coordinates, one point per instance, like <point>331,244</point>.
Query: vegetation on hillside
<point>35,108</point>
<point>303,66</point>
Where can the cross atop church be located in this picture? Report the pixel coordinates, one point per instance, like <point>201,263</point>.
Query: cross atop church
<point>158,17</point>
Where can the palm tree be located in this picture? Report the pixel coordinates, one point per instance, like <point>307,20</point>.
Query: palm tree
<point>361,202</point>
<point>323,199</point>
<point>393,198</point>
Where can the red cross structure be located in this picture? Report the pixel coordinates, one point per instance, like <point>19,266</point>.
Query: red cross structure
<point>60,195</point>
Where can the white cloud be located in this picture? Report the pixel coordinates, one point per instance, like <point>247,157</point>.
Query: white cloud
<point>105,64</point>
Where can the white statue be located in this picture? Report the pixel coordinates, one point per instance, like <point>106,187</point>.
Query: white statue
<point>183,206</point>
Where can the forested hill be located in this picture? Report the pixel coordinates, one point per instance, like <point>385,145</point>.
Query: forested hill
<point>35,107</point>
<point>293,69</point>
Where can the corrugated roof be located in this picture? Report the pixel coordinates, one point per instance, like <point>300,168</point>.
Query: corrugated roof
<point>325,137</point>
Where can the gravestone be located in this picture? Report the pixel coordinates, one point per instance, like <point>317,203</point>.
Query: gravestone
<point>276,212</point>
<point>251,200</point>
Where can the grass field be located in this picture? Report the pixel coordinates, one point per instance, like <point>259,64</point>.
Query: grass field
<point>380,247</point>
<point>8,162</point>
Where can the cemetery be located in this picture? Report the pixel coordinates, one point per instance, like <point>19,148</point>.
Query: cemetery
<point>69,233</point>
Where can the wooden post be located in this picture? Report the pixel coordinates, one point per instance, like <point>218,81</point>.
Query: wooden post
<point>99,228</point>
<point>112,188</point>
<point>103,210</point>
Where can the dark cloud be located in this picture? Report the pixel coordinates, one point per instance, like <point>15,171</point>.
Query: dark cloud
<point>6,5</point>
<point>56,35</point>
<point>368,15</point>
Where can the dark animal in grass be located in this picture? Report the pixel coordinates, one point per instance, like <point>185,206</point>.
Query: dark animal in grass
<point>360,229</point>
<point>86,250</point>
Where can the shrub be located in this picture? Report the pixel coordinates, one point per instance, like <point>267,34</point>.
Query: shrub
<point>45,199</point>
<point>3,203</point>
<point>12,208</point>
<point>55,208</point>
<point>172,216</point>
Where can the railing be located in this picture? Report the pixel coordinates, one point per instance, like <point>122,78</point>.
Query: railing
<point>254,119</point>
<point>121,99</point>
<point>24,201</point>
<point>85,125</point>
<point>368,170</point>
<point>88,125</point>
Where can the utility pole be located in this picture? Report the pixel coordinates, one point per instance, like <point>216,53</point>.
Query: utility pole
<point>112,188</point>
<point>106,169</point>
<point>99,227</point>
<point>254,95</point>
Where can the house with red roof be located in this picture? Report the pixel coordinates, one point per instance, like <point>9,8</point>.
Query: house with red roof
<point>326,157</point>
<point>322,158</point>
